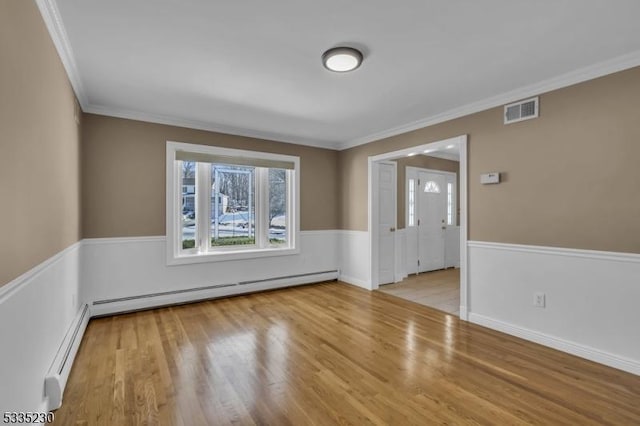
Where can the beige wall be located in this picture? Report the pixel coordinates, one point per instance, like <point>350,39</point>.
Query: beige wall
<point>571,177</point>
<point>425,162</point>
<point>39,144</point>
<point>123,175</point>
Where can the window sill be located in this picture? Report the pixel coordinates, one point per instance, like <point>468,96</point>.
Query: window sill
<point>229,255</point>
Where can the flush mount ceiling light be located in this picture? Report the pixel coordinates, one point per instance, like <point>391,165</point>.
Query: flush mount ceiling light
<point>342,59</point>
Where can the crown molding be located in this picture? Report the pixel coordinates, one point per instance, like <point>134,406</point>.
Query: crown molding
<point>591,72</point>
<point>51,15</point>
<point>53,21</point>
<point>55,26</point>
<point>203,125</point>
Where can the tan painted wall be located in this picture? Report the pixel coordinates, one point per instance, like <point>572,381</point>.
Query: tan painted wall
<point>39,144</point>
<point>123,175</point>
<point>425,162</point>
<point>572,176</point>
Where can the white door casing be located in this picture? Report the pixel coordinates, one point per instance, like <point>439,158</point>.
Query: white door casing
<point>431,225</point>
<point>372,220</point>
<point>386,221</point>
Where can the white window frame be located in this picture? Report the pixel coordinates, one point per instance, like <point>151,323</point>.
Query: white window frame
<point>177,256</point>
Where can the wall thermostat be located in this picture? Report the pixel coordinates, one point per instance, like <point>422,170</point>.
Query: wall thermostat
<point>489,178</point>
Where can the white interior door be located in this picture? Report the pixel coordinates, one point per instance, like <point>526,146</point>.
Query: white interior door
<point>386,222</point>
<point>432,214</point>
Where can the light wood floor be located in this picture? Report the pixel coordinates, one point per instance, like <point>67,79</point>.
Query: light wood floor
<point>437,289</point>
<point>330,354</point>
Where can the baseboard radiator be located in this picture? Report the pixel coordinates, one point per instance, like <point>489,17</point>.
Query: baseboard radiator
<point>56,378</point>
<point>174,297</point>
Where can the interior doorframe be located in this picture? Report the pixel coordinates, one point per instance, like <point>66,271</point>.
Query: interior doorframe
<point>373,201</point>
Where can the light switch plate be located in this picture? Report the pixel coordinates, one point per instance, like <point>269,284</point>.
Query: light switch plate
<point>489,178</point>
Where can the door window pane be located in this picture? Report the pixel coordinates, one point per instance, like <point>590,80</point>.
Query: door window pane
<point>432,187</point>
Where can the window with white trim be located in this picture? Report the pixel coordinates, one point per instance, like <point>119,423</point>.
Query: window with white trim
<point>230,204</point>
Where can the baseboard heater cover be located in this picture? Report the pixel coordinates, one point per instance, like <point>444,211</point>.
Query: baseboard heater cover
<point>163,293</point>
<point>189,295</point>
<point>287,277</point>
<point>56,379</point>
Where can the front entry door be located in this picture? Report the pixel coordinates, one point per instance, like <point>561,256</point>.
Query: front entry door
<point>432,214</point>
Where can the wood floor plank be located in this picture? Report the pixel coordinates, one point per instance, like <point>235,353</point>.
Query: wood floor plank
<point>330,354</point>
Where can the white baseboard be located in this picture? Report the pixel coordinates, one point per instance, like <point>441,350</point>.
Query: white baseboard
<point>354,281</point>
<point>464,314</point>
<point>563,345</point>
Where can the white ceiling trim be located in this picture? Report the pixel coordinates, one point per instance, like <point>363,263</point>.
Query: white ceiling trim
<point>201,125</point>
<point>55,26</point>
<point>611,66</point>
<point>53,21</point>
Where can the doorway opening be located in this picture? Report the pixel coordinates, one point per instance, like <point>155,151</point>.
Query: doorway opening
<point>418,223</point>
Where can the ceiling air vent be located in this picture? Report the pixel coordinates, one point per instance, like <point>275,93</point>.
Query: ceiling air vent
<point>519,111</point>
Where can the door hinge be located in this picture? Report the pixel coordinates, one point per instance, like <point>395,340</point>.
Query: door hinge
<point>418,262</point>
<point>418,222</point>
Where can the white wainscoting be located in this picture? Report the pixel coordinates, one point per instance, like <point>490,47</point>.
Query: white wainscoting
<point>117,271</point>
<point>591,299</point>
<point>354,258</point>
<point>36,311</point>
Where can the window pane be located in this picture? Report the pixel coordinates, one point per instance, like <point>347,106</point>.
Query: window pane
<point>449,204</point>
<point>232,205</point>
<point>412,203</point>
<point>188,175</point>
<point>277,206</point>
<point>432,187</point>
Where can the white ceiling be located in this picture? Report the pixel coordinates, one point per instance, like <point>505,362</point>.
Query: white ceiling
<point>253,67</point>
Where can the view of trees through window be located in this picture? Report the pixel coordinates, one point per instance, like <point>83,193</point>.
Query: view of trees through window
<point>277,206</point>
<point>233,205</point>
<point>188,204</point>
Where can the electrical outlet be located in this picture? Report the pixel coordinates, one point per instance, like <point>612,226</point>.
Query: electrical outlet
<point>539,300</point>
